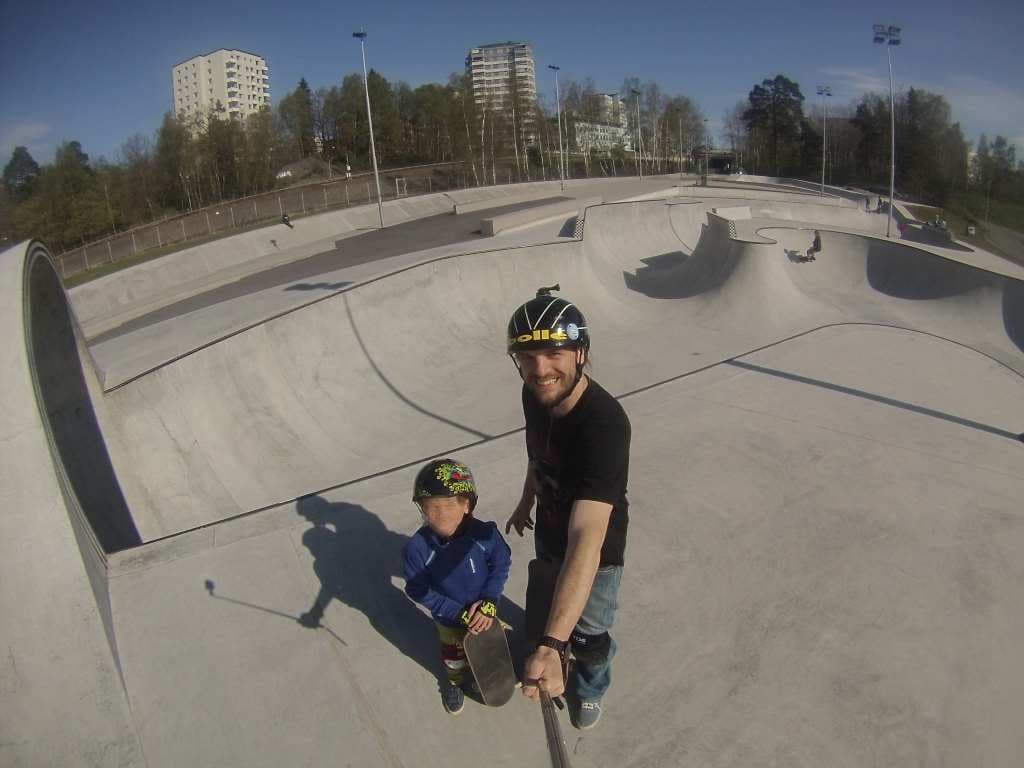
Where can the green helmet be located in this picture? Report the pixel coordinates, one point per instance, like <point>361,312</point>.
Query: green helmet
<point>445,477</point>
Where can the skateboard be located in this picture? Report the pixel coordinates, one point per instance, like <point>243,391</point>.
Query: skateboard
<point>491,662</point>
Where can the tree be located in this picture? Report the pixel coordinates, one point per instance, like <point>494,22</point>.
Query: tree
<point>774,120</point>
<point>296,113</point>
<point>170,163</point>
<point>20,174</point>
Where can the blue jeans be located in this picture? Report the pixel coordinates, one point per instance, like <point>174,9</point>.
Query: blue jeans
<point>590,681</point>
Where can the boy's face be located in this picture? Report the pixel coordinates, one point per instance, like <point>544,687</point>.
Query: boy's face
<point>444,513</point>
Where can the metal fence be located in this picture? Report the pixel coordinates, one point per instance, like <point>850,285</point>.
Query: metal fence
<point>207,223</point>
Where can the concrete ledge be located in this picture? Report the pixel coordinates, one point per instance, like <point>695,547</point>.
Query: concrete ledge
<point>494,202</point>
<point>492,226</point>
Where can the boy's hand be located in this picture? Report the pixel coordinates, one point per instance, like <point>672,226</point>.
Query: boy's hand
<point>479,616</point>
<point>520,519</point>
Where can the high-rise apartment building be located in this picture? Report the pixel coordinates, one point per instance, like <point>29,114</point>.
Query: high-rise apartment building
<point>227,82</point>
<point>498,71</point>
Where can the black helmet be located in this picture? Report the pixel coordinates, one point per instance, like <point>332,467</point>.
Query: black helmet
<point>445,477</point>
<point>547,322</point>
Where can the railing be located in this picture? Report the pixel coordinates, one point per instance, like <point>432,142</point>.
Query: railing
<point>236,215</point>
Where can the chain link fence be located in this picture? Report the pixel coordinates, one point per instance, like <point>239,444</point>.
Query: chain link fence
<point>236,215</point>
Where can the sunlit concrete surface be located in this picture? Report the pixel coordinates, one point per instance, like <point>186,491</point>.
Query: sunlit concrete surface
<point>826,528</point>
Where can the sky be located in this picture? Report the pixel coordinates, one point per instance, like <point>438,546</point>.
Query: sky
<point>100,72</point>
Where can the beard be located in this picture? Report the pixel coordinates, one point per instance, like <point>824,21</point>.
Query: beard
<point>549,395</point>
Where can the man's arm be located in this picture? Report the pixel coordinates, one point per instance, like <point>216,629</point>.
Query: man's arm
<point>587,527</point>
<point>588,524</point>
<point>520,518</point>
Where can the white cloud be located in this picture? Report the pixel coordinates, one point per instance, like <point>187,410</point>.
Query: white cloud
<point>25,133</point>
<point>859,81</point>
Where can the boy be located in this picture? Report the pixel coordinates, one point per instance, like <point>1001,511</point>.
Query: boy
<point>455,565</point>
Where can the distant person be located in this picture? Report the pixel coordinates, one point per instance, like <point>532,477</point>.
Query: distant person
<point>577,442</point>
<point>815,247</point>
<point>287,221</point>
<point>455,565</point>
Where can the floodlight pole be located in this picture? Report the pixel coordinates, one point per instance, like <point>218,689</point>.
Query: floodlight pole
<point>369,116</point>
<point>639,151</point>
<point>890,36</point>
<point>558,111</point>
<point>824,91</point>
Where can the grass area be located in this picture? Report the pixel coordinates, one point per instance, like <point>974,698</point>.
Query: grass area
<point>923,213</point>
<point>1001,212</point>
<point>958,221</point>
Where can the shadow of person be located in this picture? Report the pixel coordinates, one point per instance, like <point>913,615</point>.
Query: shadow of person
<point>358,562</point>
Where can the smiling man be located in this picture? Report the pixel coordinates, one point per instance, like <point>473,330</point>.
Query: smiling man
<point>577,439</point>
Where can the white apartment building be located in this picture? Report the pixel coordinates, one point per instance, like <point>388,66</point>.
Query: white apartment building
<point>494,70</point>
<point>227,82</point>
<point>611,128</point>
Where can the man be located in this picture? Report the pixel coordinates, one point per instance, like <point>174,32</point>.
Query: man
<point>577,438</point>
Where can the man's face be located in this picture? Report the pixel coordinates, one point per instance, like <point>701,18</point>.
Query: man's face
<point>550,374</point>
<point>444,513</point>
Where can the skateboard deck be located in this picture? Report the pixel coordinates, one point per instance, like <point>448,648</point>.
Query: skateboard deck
<point>491,662</point>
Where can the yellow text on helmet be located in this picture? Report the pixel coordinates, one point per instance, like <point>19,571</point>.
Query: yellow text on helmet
<point>541,335</point>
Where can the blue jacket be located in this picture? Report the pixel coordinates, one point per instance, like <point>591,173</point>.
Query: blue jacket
<point>446,576</point>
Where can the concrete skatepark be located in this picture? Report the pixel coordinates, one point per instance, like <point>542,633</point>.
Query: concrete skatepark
<point>826,474</point>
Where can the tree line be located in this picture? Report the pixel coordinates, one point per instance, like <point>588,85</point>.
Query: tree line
<point>209,159</point>
<point>193,163</point>
<point>774,135</point>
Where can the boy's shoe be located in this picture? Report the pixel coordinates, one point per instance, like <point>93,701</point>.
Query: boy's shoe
<point>453,698</point>
<point>585,714</point>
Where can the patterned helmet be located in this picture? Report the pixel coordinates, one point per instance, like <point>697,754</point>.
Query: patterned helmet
<point>547,322</point>
<point>445,477</point>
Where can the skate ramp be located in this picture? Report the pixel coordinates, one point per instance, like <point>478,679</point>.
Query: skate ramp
<point>825,484</point>
<point>397,369</point>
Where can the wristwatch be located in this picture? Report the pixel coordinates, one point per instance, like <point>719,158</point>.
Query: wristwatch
<point>553,642</point>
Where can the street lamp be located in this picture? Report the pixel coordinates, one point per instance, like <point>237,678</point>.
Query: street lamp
<point>558,111</point>
<point>824,90</point>
<point>890,36</point>
<point>639,153</point>
<point>369,115</point>
<point>707,152</point>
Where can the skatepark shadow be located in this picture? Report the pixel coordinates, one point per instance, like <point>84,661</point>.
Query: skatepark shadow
<point>675,275</point>
<point>1013,314</point>
<point>908,273</point>
<point>358,562</point>
<point>569,227</point>
<point>796,256</point>
<point>931,236</point>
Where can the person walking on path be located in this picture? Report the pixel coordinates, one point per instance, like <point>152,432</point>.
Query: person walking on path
<point>577,439</point>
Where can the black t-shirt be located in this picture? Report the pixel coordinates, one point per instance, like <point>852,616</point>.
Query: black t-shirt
<point>582,455</point>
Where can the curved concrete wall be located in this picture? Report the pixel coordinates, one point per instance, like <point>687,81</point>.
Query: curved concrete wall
<point>383,373</point>
<point>61,651</point>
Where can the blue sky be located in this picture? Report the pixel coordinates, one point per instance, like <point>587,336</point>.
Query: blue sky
<point>99,72</point>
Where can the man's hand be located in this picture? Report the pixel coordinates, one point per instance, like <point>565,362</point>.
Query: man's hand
<point>475,621</point>
<point>520,518</point>
<point>543,667</point>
